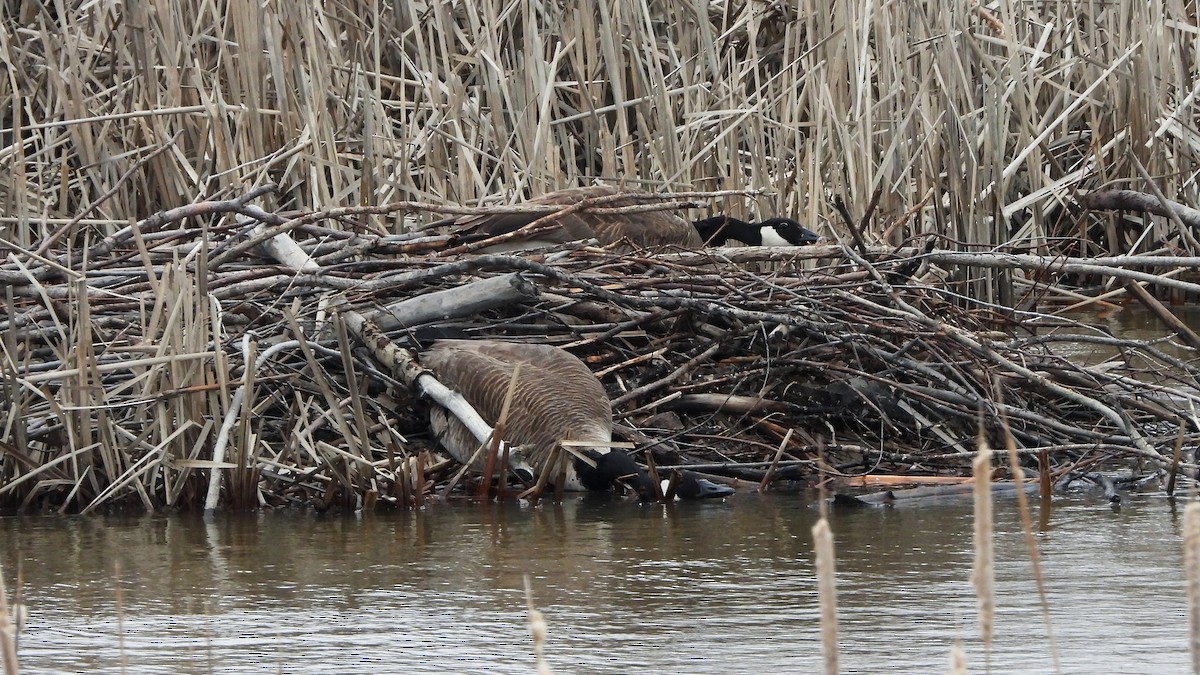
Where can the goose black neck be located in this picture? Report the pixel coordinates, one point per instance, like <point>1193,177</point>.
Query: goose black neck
<point>718,230</point>
<point>611,467</point>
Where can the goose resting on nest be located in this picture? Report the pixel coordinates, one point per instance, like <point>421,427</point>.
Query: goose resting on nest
<point>644,229</point>
<point>556,398</point>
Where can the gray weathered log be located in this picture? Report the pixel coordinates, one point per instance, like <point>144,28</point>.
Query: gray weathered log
<point>465,300</point>
<point>1132,200</point>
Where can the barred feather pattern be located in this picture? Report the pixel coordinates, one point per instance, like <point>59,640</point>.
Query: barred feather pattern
<point>645,229</point>
<point>556,397</point>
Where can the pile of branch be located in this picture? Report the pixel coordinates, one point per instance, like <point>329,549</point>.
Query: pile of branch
<point>282,357</point>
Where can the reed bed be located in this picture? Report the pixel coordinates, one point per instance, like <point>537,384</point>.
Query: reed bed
<point>974,123</point>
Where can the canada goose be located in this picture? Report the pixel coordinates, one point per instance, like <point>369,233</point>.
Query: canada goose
<point>556,398</point>
<point>717,230</point>
<point>643,229</point>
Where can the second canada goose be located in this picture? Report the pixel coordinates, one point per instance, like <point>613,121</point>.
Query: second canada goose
<point>556,398</point>
<point>643,229</point>
<point>717,230</point>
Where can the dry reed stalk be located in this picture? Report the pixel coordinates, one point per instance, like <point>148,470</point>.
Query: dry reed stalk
<point>9,623</point>
<point>1035,559</point>
<point>958,659</point>
<point>552,461</point>
<point>537,630</point>
<point>420,487</point>
<point>983,572</point>
<point>462,471</point>
<point>1191,566</point>
<point>1176,456</point>
<point>826,594</point>
<point>358,104</point>
<point>770,474</point>
<point>119,606</point>
<point>652,469</point>
<point>489,468</point>
<point>1045,486</point>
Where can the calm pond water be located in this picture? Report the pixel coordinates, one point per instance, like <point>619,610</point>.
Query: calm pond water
<point>695,588</point>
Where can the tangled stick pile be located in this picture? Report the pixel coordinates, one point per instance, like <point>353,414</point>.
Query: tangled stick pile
<point>141,365</point>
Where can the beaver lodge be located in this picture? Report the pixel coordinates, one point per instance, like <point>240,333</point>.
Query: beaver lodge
<point>266,361</point>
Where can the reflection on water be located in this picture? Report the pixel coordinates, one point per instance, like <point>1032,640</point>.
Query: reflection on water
<point>699,588</point>
<point>1131,322</point>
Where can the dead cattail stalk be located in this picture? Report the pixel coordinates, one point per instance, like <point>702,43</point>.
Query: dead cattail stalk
<point>419,484</point>
<point>826,594</point>
<point>462,471</point>
<point>958,659</point>
<point>770,474</point>
<point>982,576</point>
<point>1045,486</point>
<point>8,633</point>
<point>1176,454</point>
<point>652,469</point>
<point>537,629</point>
<point>1035,558</point>
<point>1191,566</point>
<point>493,451</point>
<point>668,495</point>
<point>552,461</point>
<point>119,606</point>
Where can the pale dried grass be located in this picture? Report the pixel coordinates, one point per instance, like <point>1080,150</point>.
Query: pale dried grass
<point>959,115</point>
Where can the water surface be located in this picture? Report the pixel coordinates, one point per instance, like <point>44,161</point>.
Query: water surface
<point>696,588</point>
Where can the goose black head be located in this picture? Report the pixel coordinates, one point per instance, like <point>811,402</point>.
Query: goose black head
<point>790,231</point>
<point>612,467</point>
<point>690,485</point>
<point>771,232</point>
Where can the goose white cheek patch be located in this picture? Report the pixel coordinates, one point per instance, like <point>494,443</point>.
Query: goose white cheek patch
<point>771,238</point>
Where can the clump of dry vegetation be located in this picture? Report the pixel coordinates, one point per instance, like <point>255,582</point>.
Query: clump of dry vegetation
<point>962,117</point>
<point>147,343</point>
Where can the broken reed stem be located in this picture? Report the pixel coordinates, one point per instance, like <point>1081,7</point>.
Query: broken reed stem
<point>561,481</point>
<point>535,493</point>
<point>668,497</point>
<point>419,484</point>
<point>119,596</point>
<point>1018,477</point>
<point>489,466</point>
<point>537,629</point>
<point>822,501</point>
<point>504,466</point>
<point>826,594</point>
<point>1175,457</point>
<point>462,471</point>
<point>403,479</point>
<point>652,469</point>
<point>1045,485</point>
<point>958,658</point>
<point>8,633</point>
<point>982,576</point>
<point>1191,566</point>
<point>770,474</point>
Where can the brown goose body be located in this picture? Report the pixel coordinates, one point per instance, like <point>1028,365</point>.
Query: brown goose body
<point>556,398</point>
<point>644,229</point>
